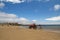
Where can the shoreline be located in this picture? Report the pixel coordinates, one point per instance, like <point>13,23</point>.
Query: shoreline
<point>49,30</point>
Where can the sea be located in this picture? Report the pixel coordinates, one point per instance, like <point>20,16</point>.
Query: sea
<point>52,28</point>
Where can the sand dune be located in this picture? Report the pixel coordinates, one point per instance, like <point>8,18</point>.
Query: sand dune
<point>16,33</point>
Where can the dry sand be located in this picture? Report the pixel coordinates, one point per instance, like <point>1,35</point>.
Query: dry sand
<point>16,33</point>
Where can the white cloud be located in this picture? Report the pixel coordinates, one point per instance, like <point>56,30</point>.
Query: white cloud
<point>23,20</point>
<point>56,7</point>
<point>34,20</point>
<point>6,15</point>
<point>12,18</point>
<point>14,1</point>
<point>2,5</point>
<point>54,18</point>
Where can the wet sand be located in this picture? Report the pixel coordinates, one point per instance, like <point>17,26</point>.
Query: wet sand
<point>17,33</point>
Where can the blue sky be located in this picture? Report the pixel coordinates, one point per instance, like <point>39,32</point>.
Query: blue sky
<point>39,11</point>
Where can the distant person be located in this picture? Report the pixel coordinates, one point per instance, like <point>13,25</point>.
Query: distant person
<point>40,26</point>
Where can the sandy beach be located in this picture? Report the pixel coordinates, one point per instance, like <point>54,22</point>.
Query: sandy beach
<point>17,33</point>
